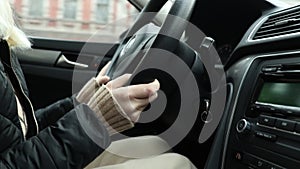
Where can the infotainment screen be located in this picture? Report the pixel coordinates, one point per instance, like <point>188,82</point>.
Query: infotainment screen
<point>280,93</point>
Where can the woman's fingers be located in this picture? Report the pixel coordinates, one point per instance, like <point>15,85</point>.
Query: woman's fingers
<point>141,104</point>
<point>118,82</point>
<point>153,97</point>
<point>138,105</point>
<point>104,69</point>
<point>143,91</point>
<point>102,80</point>
<point>135,98</point>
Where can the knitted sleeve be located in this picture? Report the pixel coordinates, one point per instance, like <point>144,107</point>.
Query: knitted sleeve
<point>88,90</point>
<point>109,111</point>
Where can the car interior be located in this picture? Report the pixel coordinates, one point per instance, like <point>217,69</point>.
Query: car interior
<point>257,42</point>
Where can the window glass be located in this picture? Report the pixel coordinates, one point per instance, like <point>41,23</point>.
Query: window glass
<point>70,9</point>
<point>75,19</point>
<point>36,8</point>
<point>102,8</point>
<point>291,2</point>
<point>285,3</point>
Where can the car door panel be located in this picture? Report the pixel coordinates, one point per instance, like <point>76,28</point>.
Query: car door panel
<point>50,77</point>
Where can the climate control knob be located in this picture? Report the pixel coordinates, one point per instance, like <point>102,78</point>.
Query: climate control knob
<point>243,126</point>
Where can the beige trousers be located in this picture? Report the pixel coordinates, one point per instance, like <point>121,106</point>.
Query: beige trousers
<point>140,153</point>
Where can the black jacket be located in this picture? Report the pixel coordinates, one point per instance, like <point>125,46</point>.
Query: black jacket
<point>56,138</point>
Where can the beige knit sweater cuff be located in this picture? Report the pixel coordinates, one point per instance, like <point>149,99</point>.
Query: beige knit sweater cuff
<point>109,111</point>
<point>88,90</point>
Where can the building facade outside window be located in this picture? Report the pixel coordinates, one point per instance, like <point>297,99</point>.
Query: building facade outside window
<point>70,9</point>
<point>102,10</point>
<point>36,8</point>
<point>75,19</point>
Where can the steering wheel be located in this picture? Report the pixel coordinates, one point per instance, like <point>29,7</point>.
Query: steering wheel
<point>139,49</point>
<point>127,56</point>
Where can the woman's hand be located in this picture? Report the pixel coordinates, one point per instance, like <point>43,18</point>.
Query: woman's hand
<point>116,106</point>
<point>90,88</point>
<point>101,78</point>
<point>133,99</point>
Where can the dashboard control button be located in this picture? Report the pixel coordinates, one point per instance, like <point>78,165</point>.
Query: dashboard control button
<point>265,135</point>
<point>254,162</point>
<point>274,167</point>
<point>260,107</point>
<point>243,126</point>
<point>285,124</point>
<point>260,163</point>
<point>266,120</point>
<point>297,128</point>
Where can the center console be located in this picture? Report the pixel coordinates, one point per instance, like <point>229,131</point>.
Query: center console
<point>265,127</point>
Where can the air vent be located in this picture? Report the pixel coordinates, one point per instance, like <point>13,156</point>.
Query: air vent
<point>280,24</point>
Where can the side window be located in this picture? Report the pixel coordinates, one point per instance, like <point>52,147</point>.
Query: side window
<point>102,8</point>
<point>70,9</point>
<point>75,19</point>
<point>36,8</point>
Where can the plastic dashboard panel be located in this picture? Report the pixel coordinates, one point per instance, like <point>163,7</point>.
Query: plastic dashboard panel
<point>284,152</point>
<point>248,47</point>
<point>242,70</point>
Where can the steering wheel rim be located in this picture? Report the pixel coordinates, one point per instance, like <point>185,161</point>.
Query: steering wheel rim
<point>171,27</point>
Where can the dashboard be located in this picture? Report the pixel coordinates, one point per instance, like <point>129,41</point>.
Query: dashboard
<point>264,128</point>
<point>261,129</point>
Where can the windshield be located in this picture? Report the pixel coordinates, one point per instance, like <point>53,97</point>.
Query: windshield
<point>292,2</point>
<point>285,3</point>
